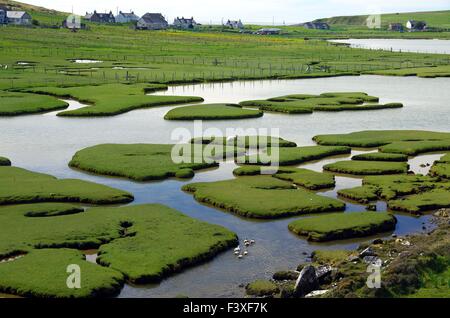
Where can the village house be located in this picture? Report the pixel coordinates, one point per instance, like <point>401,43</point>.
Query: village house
<point>152,21</point>
<point>270,31</point>
<point>398,27</point>
<point>316,25</point>
<point>235,24</point>
<point>183,23</point>
<point>3,19</point>
<point>124,17</point>
<point>100,17</point>
<point>18,18</point>
<point>413,25</point>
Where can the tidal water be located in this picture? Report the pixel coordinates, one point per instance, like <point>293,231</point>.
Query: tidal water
<point>46,143</point>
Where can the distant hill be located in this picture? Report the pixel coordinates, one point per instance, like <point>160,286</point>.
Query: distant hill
<point>43,15</point>
<point>435,19</point>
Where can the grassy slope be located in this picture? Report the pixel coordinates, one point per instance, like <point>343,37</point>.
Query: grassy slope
<point>22,186</point>
<point>211,112</point>
<point>265,197</point>
<point>14,104</point>
<point>42,15</point>
<point>114,99</point>
<point>343,225</point>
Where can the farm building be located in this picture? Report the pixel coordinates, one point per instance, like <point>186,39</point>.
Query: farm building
<point>270,31</point>
<point>183,23</point>
<point>396,27</point>
<point>3,19</point>
<point>152,21</point>
<point>316,25</point>
<point>124,17</point>
<point>100,17</point>
<point>235,24</point>
<point>413,25</point>
<point>18,18</point>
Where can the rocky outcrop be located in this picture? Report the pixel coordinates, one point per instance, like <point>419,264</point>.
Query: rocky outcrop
<point>307,281</point>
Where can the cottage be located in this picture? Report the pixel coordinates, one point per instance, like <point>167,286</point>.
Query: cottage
<point>183,23</point>
<point>316,25</point>
<point>398,27</point>
<point>413,25</point>
<point>235,24</point>
<point>3,19</point>
<point>124,17</point>
<point>18,18</point>
<point>270,31</point>
<point>100,17</point>
<point>152,21</point>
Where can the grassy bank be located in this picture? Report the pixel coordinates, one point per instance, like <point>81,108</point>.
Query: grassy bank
<point>355,167</point>
<point>14,104</point>
<point>212,112</point>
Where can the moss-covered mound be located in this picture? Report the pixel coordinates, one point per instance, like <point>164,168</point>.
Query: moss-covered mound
<point>261,197</point>
<point>295,155</point>
<point>144,242</point>
<point>4,161</point>
<point>367,167</point>
<point>22,186</point>
<point>303,177</point>
<point>245,141</point>
<point>441,168</point>
<point>43,273</point>
<point>421,202</point>
<point>212,112</point>
<point>113,99</point>
<point>262,288</point>
<point>14,104</point>
<point>377,138</point>
<point>380,156</point>
<point>343,225</point>
<point>141,162</point>
<point>305,104</point>
<point>389,187</point>
<point>413,148</point>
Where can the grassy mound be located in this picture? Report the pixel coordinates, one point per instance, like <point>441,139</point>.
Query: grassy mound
<point>377,138</point>
<point>422,202</point>
<point>367,167</point>
<point>303,177</point>
<point>343,225</point>
<point>42,273</point>
<point>245,141</point>
<point>141,162</point>
<point>22,186</point>
<point>305,104</point>
<point>296,155</point>
<point>261,288</point>
<point>113,99</point>
<point>4,161</point>
<point>441,168</point>
<point>265,197</point>
<point>212,112</point>
<point>144,242</point>
<point>413,148</point>
<point>14,104</point>
<point>389,187</point>
<point>379,156</point>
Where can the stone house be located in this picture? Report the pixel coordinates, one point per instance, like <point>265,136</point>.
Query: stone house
<point>100,17</point>
<point>124,17</point>
<point>413,25</point>
<point>152,21</point>
<point>184,23</point>
<point>18,18</point>
<point>235,24</point>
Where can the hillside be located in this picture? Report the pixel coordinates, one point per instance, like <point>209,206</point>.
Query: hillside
<point>43,15</point>
<point>435,19</point>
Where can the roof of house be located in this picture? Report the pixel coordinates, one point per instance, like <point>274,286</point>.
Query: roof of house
<point>15,14</point>
<point>185,20</point>
<point>153,18</point>
<point>128,14</point>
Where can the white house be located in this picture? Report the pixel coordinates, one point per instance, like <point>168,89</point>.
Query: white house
<point>235,24</point>
<point>124,17</point>
<point>413,25</point>
<point>18,18</point>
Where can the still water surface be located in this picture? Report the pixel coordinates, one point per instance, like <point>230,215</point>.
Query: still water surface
<point>45,143</point>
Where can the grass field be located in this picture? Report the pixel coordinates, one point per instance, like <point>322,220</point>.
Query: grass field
<point>22,186</point>
<point>265,197</point>
<point>343,225</point>
<point>212,112</point>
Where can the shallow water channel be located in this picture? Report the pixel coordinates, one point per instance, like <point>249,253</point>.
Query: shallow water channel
<point>45,143</point>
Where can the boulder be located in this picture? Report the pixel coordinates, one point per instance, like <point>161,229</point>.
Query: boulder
<point>324,274</point>
<point>316,293</point>
<point>367,252</point>
<point>377,241</point>
<point>307,281</point>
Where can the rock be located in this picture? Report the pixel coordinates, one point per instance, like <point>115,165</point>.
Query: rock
<point>324,274</point>
<point>316,293</point>
<point>367,252</point>
<point>374,260</point>
<point>423,165</point>
<point>353,258</point>
<point>371,207</point>
<point>307,281</point>
<point>286,275</point>
<point>377,241</point>
<point>443,213</point>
